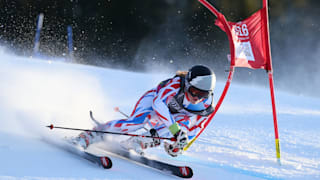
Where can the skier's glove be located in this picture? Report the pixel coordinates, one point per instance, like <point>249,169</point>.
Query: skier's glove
<point>182,139</point>
<point>177,147</point>
<point>180,135</point>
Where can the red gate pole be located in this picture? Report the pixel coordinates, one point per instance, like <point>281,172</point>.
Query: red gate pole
<point>275,122</point>
<point>225,90</point>
<point>270,75</point>
<point>227,85</point>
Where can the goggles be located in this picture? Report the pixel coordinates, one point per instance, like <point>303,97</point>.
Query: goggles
<point>194,92</point>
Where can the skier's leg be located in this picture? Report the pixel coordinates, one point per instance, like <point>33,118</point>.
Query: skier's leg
<point>136,121</point>
<point>155,128</point>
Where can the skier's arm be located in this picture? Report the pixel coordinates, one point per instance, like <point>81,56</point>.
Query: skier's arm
<point>160,105</point>
<point>195,129</point>
<point>162,110</point>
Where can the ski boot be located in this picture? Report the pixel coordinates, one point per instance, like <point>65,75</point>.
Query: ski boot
<point>139,144</point>
<point>84,139</point>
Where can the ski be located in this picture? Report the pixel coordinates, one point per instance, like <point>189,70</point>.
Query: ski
<point>180,171</point>
<point>103,161</point>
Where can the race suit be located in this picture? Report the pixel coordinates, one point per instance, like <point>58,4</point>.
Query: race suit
<point>153,110</point>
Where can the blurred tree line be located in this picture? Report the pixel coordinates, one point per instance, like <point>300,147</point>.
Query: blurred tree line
<point>138,34</point>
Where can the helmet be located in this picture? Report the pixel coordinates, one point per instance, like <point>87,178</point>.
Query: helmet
<point>200,81</point>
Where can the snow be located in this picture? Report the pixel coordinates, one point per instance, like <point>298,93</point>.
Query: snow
<point>238,144</point>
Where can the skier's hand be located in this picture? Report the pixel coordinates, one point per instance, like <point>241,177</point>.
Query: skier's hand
<point>177,147</point>
<point>172,150</point>
<point>182,139</point>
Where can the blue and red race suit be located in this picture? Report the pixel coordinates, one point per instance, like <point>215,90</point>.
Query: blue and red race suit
<point>155,110</point>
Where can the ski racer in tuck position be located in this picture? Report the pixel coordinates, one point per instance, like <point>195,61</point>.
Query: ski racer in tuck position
<point>178,107</point>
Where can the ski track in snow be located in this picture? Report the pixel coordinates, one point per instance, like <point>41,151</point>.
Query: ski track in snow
<point>238,144</point>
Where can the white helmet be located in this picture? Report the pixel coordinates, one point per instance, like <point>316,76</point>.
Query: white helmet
<point>200,78</point>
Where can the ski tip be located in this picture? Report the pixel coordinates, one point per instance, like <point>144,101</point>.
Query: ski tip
<point>106,162</point>
<point>185,172</point>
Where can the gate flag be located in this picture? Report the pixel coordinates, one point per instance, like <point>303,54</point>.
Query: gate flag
<point>250,41</point>
<point>249,47</point>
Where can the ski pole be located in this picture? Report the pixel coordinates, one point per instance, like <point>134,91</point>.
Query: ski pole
<point>118,110</point>
<point>107,132</point>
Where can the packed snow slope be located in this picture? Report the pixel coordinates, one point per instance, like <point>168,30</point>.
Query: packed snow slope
<point>238,144</point>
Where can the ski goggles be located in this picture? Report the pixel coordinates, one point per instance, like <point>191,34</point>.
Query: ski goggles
<point>194,92</point>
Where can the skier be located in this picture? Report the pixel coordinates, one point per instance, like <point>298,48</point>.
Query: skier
<point>177,107</point>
